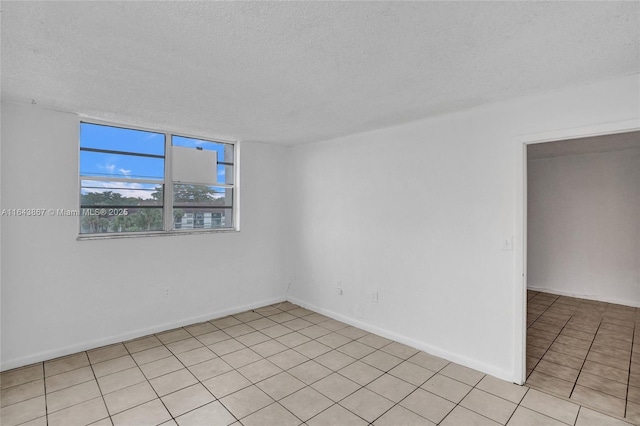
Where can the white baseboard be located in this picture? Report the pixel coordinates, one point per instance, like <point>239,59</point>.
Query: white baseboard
<point>425,347</point>
<point>597,298</point>
<point>92,344</point>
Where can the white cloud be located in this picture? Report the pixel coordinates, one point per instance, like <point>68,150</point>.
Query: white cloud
<point>125,172</point>
<point>127,189</point>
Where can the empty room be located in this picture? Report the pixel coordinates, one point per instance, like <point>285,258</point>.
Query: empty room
<point>319,213</point>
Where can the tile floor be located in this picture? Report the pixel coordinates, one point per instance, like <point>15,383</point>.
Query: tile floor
<point>585,351</point>
<point>279,365</point>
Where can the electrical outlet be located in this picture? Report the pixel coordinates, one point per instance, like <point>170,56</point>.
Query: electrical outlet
<point>374,296</point>
<point>165,293</point>
<point>507,243</point>
<point>339,288</point>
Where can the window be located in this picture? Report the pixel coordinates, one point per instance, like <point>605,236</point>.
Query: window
<point>136,181</point>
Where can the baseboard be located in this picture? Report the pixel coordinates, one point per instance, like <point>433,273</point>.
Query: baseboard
<point>596,298</point>
<point>92,344</point>
<point>425,347</point>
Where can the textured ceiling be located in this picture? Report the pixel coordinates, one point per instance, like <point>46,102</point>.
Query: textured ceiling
<point>295,72</point>
<point>594,144</point>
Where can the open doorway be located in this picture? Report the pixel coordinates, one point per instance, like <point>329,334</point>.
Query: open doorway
<point>583,270</point>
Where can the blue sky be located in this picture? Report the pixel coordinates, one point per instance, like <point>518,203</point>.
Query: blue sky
<point>129,166</point>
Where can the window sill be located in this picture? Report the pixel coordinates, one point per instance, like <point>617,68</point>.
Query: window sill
<point>85,237</point>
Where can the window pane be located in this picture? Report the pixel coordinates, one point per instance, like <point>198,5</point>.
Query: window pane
<point>225,174</point>
<point>185,195</point>
<point>119,166</point>
<point>99,193</point>
<point>202,218</point>
<point>119,139</point>
<point>120,219</point>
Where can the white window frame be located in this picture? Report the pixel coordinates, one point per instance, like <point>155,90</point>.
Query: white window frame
<point>167,182</point>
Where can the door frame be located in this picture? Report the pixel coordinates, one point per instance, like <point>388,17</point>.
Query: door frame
<point>520,293</point>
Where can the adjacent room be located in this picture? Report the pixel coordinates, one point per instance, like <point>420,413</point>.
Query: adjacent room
<point>319,213</point>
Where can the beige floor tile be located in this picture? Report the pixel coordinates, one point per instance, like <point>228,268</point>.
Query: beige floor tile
<point>248,316</point>
<point>21,392</point>
<point>491,406</point>
<point>42,421</point>
<point>333,340</point>
<point>271,415</point>
<point>352,332</point>
<point>412,373</point>
<point>259,370</point>
<point>569,350</point>
<point>106,353</point>
<point>70,378</point>
<point>335,387</point>
<point>72,395</point>
<point>281,317</point>
<point>309,372</point>
<point>606,371</point>
<point>381,360</point>
<point>280,385</point>
<point>240,358</point>
<point>550,384</point>
<point>391,387</point>
<point>149,413</point>
<point>334,325</point>
<point>428,405</point>
<point>312,349</point>
<point>314,331</point>
<point>550,406</point>
<point>187,399</point>
<point>447,388</point>
<point>130,397</point>
<point>306,403</point>
<point>201,328</point>
<point>366,404</point>
<point>588,417</point>
<point>150,355</point>
<point>374,341</point>
<point>23,411</point>
<point>400,416</point>
<point>195,356</point>
<point>525,417</point>
<point>401,351</point>
<point>610,351</point>
<point>227,383</point>
<point>212,414</point>
<point>632,413</point>
<point>79,415</point>
<point>208,369</point>
<point>64,364</point>
<point>246,401</point>
<point>316,318</point>
<point>161,367</point>
<point>356,350</point>
<point>238,330</point>
<point>602,384</point>
<point>173,381</point>
<point>598,400</point>
<point>300,312</point>
<point>142,344</point>
<point>113,365</point>
<point>213,337</point>
<point>336,415</point>
<point>184,345</point>
<point>278,330</point>
<point>288,359</point>
<point>291,339</point>
<point>226,347</point>
<point>462,374</point>
<point>268,348</point>
<point>120,380</point>
<point>622,364</point>
<point>557,370</point>
<point>335,360</point>
<point>173,336</point>
<point>262,323</point>
<point>361,373</point>
<point>463,416</point>
<point>297,324</point>
<point>21,375</point>
<point>572,341</point>
<point>225,322</point>
<point>577,334</point>
<point>253,339</point>
<point>506,390</point>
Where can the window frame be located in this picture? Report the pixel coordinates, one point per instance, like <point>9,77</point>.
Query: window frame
<point>167,183</point>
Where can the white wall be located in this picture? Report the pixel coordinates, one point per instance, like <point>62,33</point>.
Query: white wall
<point>584,225</point>
<point>418,212</point>
<point>60,295</point>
